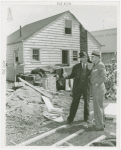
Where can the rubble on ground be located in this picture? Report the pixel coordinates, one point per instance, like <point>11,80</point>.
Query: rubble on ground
<point>26,108</point>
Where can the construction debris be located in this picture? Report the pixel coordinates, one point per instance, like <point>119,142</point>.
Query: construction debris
<point>50,106</point>
<point>102,137</point>
<point>108,110</point>
<point>18,84</point>
<point>113,134</point>
<point>107,142</point>
<point>27,109</point>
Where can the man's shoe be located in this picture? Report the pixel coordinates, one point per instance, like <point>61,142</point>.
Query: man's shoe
<point>68,122</point>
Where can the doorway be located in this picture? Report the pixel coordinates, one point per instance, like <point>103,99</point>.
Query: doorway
<point>65,57</point>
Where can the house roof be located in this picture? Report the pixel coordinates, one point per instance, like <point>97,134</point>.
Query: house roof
<point>32,28</point>
<point>108,38</point>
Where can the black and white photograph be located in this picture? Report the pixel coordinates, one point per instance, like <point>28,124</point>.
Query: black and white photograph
<point>60,74</point>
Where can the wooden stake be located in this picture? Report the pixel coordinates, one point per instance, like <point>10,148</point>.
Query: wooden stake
<point>102,137</point>
<point>68,138</point>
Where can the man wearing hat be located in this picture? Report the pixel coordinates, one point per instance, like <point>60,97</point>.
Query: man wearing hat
<point>98,77</point>
<point>81,74</point>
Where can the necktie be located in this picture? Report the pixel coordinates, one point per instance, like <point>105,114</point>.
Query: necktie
<point>84,66</point>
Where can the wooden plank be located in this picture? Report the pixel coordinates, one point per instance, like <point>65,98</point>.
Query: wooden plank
<point>113,134</point>
<point>50,106</point>
<point>41,136</point>
<point>46,134</point>
<point>68,138</point>
<point>69,144</point>
<point>102,137</point>
<point>38,90</point>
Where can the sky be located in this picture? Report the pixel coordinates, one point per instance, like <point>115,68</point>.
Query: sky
<point>92,17</point>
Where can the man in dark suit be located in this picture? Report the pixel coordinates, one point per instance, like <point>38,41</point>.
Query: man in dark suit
<point>80,73</point>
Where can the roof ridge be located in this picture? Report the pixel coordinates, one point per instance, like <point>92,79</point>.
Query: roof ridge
<point>38,21</point>
<point>45,18</point>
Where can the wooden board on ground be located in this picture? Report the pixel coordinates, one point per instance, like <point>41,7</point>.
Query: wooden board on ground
<point>19,84</point>
<point>39,137</point>
<point>68,138</point>
<point>50,106</point>
<point>111,110</point>
<point>102,137</point>
<point>55,117</point>
<point>38,90</point>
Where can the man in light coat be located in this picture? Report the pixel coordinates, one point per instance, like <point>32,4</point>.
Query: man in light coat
<point>97,78</point>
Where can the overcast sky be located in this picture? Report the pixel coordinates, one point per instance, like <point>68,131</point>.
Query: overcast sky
<point>93,18</point>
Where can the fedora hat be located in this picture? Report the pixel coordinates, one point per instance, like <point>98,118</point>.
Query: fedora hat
<point>96,53</point>
<point>82,54</point>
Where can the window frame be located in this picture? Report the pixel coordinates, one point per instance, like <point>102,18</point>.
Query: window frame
<point>71,27</point>
<point>73,55</point>
<point>35,60</point>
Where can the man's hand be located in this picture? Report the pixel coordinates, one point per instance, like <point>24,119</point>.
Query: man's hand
<point>64,75</point>
<point>90,65</point>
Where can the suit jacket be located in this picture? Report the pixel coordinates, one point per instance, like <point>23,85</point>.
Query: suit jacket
<point>79,81</point>
<point>98,76</point>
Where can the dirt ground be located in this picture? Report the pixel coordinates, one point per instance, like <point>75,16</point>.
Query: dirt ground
<point>26,120</point>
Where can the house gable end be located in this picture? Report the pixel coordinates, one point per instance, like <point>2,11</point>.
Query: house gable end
<point>66,15</point>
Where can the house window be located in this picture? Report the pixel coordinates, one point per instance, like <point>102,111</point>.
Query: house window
<point>36,54</point>
<point>16,55</point>
<point>68,27</point>
<point>16,59</point>
<point>75,55</point>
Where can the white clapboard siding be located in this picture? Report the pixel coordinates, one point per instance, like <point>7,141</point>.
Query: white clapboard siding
<point>92,44</point>
<point>51,41</point>
<point>19,69</point>
<point>10,74</point>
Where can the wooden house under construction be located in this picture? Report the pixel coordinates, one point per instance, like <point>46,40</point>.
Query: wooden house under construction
<point>54,40</point>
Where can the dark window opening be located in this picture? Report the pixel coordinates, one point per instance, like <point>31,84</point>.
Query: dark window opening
<point>16,59</point>
<point>65,57</point>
